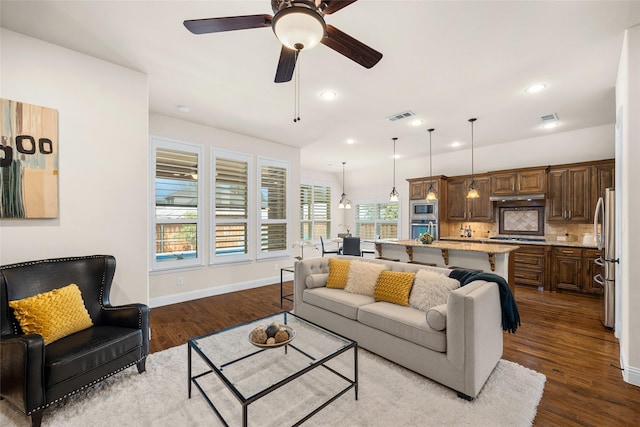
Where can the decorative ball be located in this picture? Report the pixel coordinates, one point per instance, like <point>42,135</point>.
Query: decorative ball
<point>272,329</point>
<point>259,336</point>
<point>271,341</point>
<point>282,335</point>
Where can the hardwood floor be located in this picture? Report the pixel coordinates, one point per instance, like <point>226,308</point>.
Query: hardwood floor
<point>561,336</point>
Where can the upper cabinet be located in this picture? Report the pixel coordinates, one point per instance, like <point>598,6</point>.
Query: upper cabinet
<point>459,208</point>
<point>525,181</point>
<point>419,187</point>
<point>569,194</point>
<point>573,190</point>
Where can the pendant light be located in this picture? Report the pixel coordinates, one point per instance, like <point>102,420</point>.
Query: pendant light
<point>344,203</point>
<point>431,195</point>
<point>393,197</point>
<point>473,193</point>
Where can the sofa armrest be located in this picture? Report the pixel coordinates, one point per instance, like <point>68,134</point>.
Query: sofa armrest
<point>22,370</point>
<point>474,331</point>
<point>135,316</point>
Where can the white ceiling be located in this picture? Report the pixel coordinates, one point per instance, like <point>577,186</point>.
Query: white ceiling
<point>445,61</point>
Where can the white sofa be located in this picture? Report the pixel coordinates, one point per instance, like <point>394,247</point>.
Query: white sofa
<point>461,356</point>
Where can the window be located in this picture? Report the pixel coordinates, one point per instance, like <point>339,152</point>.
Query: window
<point>230,206</point>
<point>272,221</point>
<point>315,211</point>
<point>377,218</point>
<point>176,211</point>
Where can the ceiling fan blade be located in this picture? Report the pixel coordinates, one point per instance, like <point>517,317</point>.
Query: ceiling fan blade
<point>286,65</point>
<point>336,5</point>
<point>217,25</point>
<point>350,47</point>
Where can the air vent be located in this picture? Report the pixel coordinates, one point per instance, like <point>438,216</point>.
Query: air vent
<point>400,116</point>
<point>549,117</point>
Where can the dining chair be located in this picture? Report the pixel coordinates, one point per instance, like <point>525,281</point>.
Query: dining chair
<point>351,246</point>
<point>337,251</point>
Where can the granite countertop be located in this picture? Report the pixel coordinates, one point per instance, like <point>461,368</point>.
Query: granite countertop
<point>548,242</point>
<point>468,245</point>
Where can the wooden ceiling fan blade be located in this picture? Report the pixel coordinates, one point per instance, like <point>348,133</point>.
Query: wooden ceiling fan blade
<point>286,65</point>
<point>231,23</point>
<point>350,47</point>
<point>335,5</point>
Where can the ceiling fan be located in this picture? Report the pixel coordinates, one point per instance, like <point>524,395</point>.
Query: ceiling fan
<point>298,24</point>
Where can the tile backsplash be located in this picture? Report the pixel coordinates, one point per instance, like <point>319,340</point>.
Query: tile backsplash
<point>571,232</point>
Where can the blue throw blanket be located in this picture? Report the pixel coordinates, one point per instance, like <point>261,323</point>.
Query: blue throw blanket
<point>510,315</point>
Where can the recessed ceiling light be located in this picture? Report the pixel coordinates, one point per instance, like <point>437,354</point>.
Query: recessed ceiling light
<point>417,122</point>
<point>456,144</point>
<point>328,95</point>
<point>535,88</point>
<point>183,108</point>
<point>550,125</point>
<point>351,141</point>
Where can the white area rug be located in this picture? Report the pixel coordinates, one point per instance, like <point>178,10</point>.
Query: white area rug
<point>388,395</point>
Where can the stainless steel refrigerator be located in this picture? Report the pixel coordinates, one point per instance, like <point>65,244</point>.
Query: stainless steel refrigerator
<point>604,226</point>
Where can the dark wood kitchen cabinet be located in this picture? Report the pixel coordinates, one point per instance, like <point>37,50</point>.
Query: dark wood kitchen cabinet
<point>525,181</point>
<point>569,194</point>
<point>459,208</point>
<point>567,268</point>
<point>419,187</point>
<point>530,265</point>
<point>573,269</point>
<point>603,175</point>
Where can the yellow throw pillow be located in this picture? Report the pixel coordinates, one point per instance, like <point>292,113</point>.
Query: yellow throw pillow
<point>54,314</point>
<point>394,287</point>
<point>338,273</point>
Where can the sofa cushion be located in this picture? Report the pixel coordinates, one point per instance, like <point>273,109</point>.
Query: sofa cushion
<point>394,287</point>
<point>437,317</point>
<point>338,272</point>
<point>431,289</point>
<point>363,277</point>
<point>337,301</point>
<point>54,314</point>
<point>316,280</point>
<point>404,322</point>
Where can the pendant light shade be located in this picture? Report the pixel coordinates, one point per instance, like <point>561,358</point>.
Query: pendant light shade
<point>431,194</point>
<point>473,193</point>
<point>344,203</point>
<point>394,196</point>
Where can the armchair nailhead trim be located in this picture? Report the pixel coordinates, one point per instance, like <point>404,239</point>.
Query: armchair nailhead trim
<point>84,387</point>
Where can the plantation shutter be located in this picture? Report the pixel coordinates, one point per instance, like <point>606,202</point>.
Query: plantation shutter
<point>273,228</point>
<point>231,207</point>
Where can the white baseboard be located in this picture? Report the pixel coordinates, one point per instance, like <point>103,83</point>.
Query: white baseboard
<point>630,374</point>
<point>216,290</point>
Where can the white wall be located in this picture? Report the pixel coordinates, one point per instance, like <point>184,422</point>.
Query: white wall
<point>103,120</point>
<point>211,280</point>
<point>628,177</point>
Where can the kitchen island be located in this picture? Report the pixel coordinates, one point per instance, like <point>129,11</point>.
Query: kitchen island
<point>489,257</point>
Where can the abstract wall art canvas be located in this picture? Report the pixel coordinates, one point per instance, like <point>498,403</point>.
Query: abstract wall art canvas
<point>28,160</point>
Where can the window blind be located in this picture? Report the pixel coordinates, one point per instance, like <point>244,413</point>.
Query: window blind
<point>231,188</point>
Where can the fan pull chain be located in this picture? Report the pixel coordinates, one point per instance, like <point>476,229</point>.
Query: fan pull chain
<point>296,91</point>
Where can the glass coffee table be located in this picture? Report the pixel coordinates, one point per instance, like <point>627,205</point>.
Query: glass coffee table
<point>249,372</point>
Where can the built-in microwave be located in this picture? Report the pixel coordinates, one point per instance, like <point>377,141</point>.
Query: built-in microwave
<point>421,209</point>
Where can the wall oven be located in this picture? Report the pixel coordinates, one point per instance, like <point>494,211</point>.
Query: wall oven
<point>423,210</point>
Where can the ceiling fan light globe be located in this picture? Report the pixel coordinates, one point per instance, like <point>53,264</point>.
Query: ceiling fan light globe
<point>299,28</point>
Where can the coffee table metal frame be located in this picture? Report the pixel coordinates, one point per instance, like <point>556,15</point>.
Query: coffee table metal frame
<point>246,401</point>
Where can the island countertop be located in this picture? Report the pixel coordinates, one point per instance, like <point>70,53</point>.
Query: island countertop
<point>493,248</point>
<point>490,257</point>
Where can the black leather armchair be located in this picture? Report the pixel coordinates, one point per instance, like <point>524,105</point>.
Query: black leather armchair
<point>32,375</point>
